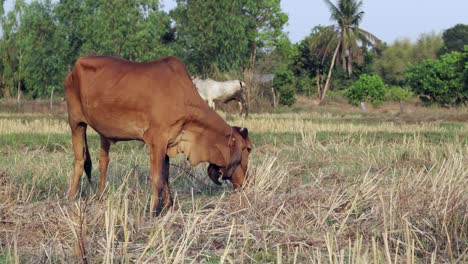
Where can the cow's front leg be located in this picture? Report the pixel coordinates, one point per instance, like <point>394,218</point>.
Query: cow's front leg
<point>158,177</point>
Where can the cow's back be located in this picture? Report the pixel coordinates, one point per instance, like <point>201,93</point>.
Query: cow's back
<point>122,99</point>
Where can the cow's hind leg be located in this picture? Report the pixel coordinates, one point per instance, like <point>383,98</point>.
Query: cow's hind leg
<point>82,157</point>
<point>103,163</point>
<point>245,106</point>
<point>241,108</point>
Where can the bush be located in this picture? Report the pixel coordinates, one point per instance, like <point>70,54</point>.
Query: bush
<point>440,81</point>
<point>305,85</point>
<point>398,94</point>
<point>283,85</point>
<point>369,88</point>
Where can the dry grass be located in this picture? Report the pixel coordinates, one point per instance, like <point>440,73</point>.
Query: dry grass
<point>345,199</point>
<point>260,123</point>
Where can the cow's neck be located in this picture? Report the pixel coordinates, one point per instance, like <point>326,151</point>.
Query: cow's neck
<point>204,137</point>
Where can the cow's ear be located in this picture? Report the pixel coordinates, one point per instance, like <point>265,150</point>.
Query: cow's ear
<point>244,132</point>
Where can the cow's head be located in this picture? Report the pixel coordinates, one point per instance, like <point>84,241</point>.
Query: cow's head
<point>236,170</point>
<point>243,85</point>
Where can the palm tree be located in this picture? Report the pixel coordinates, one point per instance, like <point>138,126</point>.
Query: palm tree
<point>345,37</point>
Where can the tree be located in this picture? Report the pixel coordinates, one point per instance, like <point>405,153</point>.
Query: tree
<point>455,38</point>
<point>369,88</point>
<point>134,30</point>
<point>212,34</point>
<point>42,39</point>
<point>265,24</point>
<point>465,61</point>
<point>395,59</point>
<point>345,37</point>
<point>227,35</point>
<point>392,64</point>
<point>307,64</point>
<point>281,56</point>
<point>398,94</point>
<point>264,30</point>
<point>266,21</point>
<point>12,53</point>
<point>283,84</point>
<point>71,17</point>
<point>1,7</point>
<point>42,45</point>
<point>440,81</point>
<point>427,46</point>
<point>2,84</point>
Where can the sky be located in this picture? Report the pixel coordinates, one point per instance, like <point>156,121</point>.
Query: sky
<point>387,19</point>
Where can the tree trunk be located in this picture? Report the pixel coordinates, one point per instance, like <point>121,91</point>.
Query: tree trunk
<point>319,84</point>
<point>363,107</point>
<point>327,83</point>
<point>51,98</point>
<point>402,107</point>
<point>18,93</point>
<point>274,96</point>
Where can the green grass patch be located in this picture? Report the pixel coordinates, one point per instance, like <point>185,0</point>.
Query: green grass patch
<point>430,137</point>
<point>60,142</point>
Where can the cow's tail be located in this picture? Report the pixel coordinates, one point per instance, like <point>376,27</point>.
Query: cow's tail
<point>88,165</point>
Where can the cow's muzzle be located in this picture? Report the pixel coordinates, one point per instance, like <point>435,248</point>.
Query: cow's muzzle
<point>215,172</point>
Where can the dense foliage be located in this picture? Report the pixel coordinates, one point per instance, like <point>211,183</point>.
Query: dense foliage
<point>213,33</point>
<point>398,94</point>
<point>40,41</point>
<point>225,35</point>
<point>441,81</point>
<point>369,88</point>
<point>396,58</point>
<point>455,38</point>
<point>345,39</point>
<point>283,84</point>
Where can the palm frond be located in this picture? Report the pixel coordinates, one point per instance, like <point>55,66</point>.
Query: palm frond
<point>347,38</point>
<point>356,19</point>
<point>369,37</point>
<point>328,47</point>
<point>335,12</point>
<point>324,41</point>
<point>356,50</point>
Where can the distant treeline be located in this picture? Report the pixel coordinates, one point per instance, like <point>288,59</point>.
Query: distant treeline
<point>41,40</point>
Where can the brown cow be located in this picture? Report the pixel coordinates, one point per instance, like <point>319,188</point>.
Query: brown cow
<point>157,103</point>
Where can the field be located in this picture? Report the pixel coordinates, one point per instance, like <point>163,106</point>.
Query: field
<point>330,185</point>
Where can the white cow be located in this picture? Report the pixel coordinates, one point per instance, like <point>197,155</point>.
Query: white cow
<point>225,92</point>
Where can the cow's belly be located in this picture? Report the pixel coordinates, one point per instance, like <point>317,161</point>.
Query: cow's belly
<point>223,98</point>
<point>119,126</point>
<point>115,114</point>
